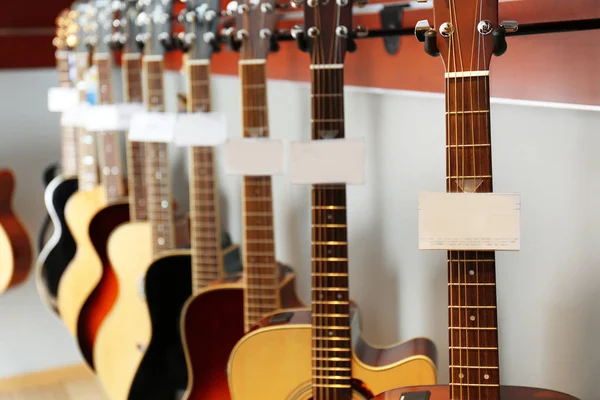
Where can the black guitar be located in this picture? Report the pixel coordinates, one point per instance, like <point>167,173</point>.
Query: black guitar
<point>171,278</point>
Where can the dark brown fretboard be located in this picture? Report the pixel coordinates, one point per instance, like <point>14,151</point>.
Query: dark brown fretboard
<point>160,211</point>
<point>331,352</point>
<point>68,133</point>
<point>204,201</point>
<point>132,85</point>
<point>261,273</point>
<point>473,328</point>
<point>110,148</point>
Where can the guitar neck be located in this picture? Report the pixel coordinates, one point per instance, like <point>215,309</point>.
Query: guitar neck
<point>261,271</point>
<point>204,195</point>
<point>160,211</point>
<point>473,327</point>
<point>330,300</point>
<point>68,134</point>
<point>87,168</point>
<point>132,85</point>
<point>110,154</point>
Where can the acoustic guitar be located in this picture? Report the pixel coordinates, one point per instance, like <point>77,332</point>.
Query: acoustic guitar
<point>171,279</point>
<point>59,250</point>
<point>221,313</point>
<point>99,279</point>
<point>466,34</point>
<point>319,354</point>
<point>15,246</point>
<point>125,332</point>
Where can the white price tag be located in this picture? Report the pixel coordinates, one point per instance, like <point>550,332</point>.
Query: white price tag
<point>328,161</point>
<point>254,157</point>
<point>152,127</point>
<point>113,117</point>
<point>469,221</point>
<point>61,99</point>
<point>74,117</point>
<point>201,129</point>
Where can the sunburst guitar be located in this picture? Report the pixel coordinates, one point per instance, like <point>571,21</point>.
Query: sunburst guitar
<point>15,244</point>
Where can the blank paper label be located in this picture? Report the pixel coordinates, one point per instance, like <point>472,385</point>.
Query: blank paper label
<point>328,161</point>
<point>201,129</point>
<point>469,221</point>
<point>158,127</point>
<point>62,99</point>
<point>254,157</point>
<point>111,117</point>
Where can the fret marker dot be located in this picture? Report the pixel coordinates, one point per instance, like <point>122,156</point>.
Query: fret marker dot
<point>104,89</point>
<point>321,296</point>
<point>155,99</point>
<point>161,241</point>
<point>106,170</point>
<point>329,217</point>
<point>329,251</point>
<point>339,296</point>
<point>461,375</point>
<point>471,272</point>
<point>164,204</point>
<point>115,170</point>
<point>158,175</point>
<point>486,376</point>
<point>161,154</point>
<point>330,333</point>
<point>472,318</point>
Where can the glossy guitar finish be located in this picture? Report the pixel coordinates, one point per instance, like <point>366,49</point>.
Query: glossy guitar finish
<point>50,172</point>
<point>15,246</point>
<point>443,393</point>
<point>168,285</point>
<point>60,248</point>
<point>85,270</point>
<point>284,341</point>
<point>125,333</point>
<point>213,324</point>
<point>100,302</point>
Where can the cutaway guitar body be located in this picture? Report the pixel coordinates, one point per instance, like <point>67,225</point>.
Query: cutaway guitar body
<point>98,305</point>
<point>60,248</point>
<point>125,333</point>
<point>85,270</point>
<point>284,340</point>
<point>163,371</point>
<point>15,246</point>
<point>442,392</point>
<point>212,323</point>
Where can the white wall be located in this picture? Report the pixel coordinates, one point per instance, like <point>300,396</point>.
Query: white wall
<point>548,296</point>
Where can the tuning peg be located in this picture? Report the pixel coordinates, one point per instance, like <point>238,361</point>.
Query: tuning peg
<point>213,41</point>
<point>274,44</point>
<point>167,41</point>
<point>510,26</point>
<point>499,34</point>
<point>232,42</point>
<point>421,29</point>
<point>361,31</point>
<point>297,32</point>
<point>351,45</point>
<point>426,34</point>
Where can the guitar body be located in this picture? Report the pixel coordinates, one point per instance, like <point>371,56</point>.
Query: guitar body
<point>104,294</point>
<point>163,372</point>
<point>60,248</point>
<point>284,341</point>
<point>85,270</point>
<point>15,246</point>
<point>442,392</point>
<point>125,332</point>
<point>50,172</point>
<point>212,324</point>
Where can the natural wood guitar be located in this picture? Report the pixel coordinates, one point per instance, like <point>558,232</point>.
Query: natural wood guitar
<point>469,34</point>
<point>221,313</point>
<point>15,245</point>
<point>320,355</point>
<point>59,250</point>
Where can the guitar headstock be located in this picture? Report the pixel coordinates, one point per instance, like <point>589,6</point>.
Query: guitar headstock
<point>127,26</point>
<point>327,26</point>
<point>201,21</point>
<point>256,28</point>
<point>155,19</point>
<point>466,33</point>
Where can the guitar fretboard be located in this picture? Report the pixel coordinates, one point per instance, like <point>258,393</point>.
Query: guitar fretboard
<point>160,210</point>
<point>261,272</point>
<point>132,84</point>
<point>68,134</point>
<point>87,168</point>
<point>204,207</point>
<point>331,351</point>
<point>112,168</point>
<point>473,327</point>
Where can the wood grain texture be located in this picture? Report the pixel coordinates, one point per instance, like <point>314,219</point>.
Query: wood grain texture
<point>125,333</point>
<point>15,245</point>
<point>288,346</point>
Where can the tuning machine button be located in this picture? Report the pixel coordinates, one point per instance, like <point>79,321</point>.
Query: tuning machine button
<point>510,26</point>
<point>421,29</point>
<point>213,41</point>
<point>499,35</point>
<point>427,35</point>
<point>297,32</point>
